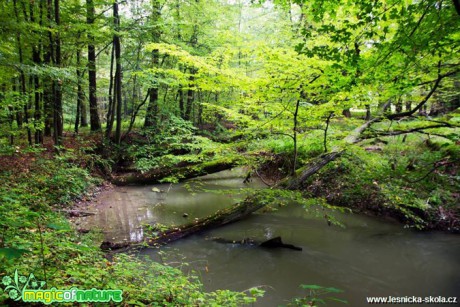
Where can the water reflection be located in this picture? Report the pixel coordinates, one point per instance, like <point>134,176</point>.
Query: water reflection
<point>123,211</point>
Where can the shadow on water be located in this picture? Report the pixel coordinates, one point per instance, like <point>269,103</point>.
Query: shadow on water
<point>368,257</point>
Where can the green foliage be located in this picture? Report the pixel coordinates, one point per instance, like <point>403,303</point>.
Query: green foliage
<point>400,179</point>
<point>176,145</point>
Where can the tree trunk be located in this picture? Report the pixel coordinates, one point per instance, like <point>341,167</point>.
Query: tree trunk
<point>58,115</point>
<point>95,122</point>
<point>399,106</point>
<point>346,113</point>
<point>368,112</point>
<point>22,75</point>
<point>36,83</point>
<point>182,172</point>
<point>181,102</point>
<point>111,109</point>
<point>294,136</point>
<point>83,111</point>
<point>80,93</point>
<point>408,105</point>
<point>152,109</point>
<point>151,118</point>
<point>190,95</point>
<point>117,47</point>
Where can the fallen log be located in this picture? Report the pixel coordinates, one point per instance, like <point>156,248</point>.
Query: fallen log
<point>181,172</point>
<point>304,173</point>
<point>220,218</point>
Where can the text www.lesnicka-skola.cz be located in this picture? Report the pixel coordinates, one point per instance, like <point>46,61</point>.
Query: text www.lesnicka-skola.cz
<point>411,300</point>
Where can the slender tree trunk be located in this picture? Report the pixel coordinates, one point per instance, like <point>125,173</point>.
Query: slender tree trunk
<point>368,112</point>
<point>181,102</point>
<point>190,95</point>
<point>117,47</point>
<point>399,106</point>
<point>152,109</point>
<point>80,92</point>
<point>95,122</point>
<point>408,105</point>
<point>48,91</point>
<point>110,111</point>
<point>151,117</point>
<point>294,136</point>
<point>36,82</point>
<point>22,75</point>
<point>83,112</point>
<point>17,112</point>
<point>328,120</point>
<point>58,115</point>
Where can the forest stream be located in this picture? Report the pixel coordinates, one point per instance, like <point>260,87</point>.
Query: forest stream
<point>366,257</point>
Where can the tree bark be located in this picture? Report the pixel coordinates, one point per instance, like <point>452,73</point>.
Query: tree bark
<point>190,95</point>
<point>346,113</point>
<point>36,82</point>
<point>95,122</point>
<point>22,75</point>
<point>110,109</point>
<point>80,94</point>
<point>151,118</point>
<point>57,110</point>
<point>117,47</point>
<point>294,136</point>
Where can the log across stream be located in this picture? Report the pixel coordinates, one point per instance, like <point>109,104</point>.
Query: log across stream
<point>368,257</point>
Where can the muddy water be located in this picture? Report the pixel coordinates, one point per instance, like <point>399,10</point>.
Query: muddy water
<point>368,257</point>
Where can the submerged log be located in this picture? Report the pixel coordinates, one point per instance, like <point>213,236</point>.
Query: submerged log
<point>271,243</point>
<point>181,172</point>
<point>277,242</point>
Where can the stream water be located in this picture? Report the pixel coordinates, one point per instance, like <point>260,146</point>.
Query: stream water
<point>368,257</point>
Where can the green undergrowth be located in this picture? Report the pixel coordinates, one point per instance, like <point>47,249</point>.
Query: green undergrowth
<point>413,179</point>
<point>177,146</point>
<point>35,237</point>
<point>176,143</point>
<point>409,177</point>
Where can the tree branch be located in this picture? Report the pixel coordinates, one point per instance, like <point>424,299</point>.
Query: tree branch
<point>400,132</point>
<point>427,97</point>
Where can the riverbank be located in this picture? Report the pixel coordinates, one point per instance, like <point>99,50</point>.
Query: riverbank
<point>40,190</point>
